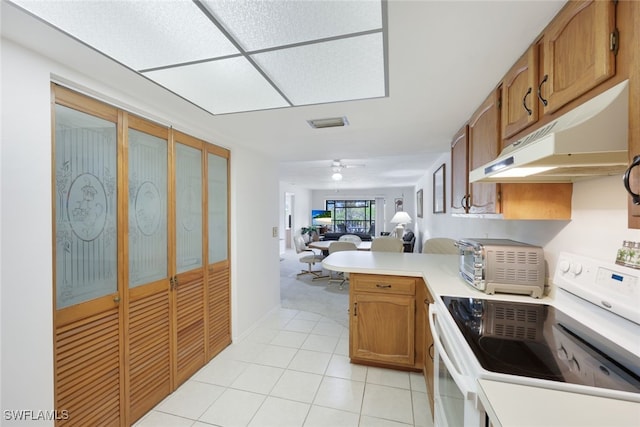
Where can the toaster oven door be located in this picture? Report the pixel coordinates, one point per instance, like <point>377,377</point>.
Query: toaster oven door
<point>471,264</point>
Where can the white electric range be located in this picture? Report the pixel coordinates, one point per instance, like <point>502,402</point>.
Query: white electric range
<point>586,340</point>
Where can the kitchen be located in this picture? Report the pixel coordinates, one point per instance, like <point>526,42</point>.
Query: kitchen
<point>593,200</point>
<point>598,225</point>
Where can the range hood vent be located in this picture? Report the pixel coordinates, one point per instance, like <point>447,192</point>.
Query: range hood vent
<point>590,140</point>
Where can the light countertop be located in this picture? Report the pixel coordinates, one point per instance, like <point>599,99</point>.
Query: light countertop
<point>517,405</point>
<point>507,404</point>
<point>440,272</point>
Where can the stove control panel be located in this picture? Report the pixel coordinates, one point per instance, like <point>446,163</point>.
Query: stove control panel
<point>611,286</point>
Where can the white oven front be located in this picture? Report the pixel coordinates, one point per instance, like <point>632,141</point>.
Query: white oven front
<point>455,394</point>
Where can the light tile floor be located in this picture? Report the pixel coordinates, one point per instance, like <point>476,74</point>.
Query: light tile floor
<point>292,371</point>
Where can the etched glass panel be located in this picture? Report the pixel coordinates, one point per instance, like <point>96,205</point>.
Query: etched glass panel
<point>188,208</point>
<point>85,207</point>
<point>218,224</point>
<point>147,208</point>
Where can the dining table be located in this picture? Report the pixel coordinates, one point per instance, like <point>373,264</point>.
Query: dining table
<point>323,245</point>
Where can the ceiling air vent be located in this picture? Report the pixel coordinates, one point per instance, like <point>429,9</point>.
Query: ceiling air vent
<point>328,123</point>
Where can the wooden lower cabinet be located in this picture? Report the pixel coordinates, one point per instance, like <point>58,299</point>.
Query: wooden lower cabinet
<point>385,328</point>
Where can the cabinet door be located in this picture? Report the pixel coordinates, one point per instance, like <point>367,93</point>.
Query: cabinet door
<point>519,97</point>
<point>460,171</point>
<point>382,328</point>
<point>577,52</point>
<point>484,141</point>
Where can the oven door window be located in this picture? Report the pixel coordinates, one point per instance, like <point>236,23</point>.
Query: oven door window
<point>450,396</point>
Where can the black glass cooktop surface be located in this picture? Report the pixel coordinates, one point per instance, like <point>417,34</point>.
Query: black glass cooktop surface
<point>540,341</point>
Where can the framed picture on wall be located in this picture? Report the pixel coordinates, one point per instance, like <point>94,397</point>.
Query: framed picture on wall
<point>399,203</point>
<point>439,190</point>
<point>419,203</point>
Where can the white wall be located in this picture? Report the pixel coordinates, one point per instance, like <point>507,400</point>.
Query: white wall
<point>389,194</point>
<point>26,271</point>
<point>26,367</point>
<point>255,281</point>
<point>597,227</point>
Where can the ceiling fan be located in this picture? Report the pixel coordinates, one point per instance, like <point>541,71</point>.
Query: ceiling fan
<point>337,166</point>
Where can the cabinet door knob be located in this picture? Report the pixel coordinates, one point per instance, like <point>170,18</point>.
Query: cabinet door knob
<point>116,299</point>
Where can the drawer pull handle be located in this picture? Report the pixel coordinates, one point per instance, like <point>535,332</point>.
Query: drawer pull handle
<point>382,286</point>
<point>524,103</point>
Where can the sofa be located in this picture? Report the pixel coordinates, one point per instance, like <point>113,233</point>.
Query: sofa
<point>335,236</point>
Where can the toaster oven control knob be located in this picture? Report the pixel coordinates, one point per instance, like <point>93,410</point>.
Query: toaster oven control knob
<point>576,268</point>
<point>562,353</point>
<point>574,366</point>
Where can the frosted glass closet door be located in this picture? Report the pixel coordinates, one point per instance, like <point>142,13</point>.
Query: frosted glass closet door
<point>149,309</point>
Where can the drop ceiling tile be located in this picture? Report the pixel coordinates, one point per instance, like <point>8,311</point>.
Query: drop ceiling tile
<point>288,22</point>
<point>139,34</point>
<point>222,86</point>
<point>339,70</point>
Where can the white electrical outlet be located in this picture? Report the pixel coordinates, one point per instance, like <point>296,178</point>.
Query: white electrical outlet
<point>274,231</point>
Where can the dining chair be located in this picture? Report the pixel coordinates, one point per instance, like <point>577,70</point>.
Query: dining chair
<point>387,244</point>
<point>440,245</point>
<point>339,246</point>
<point>310,258</point>
<point>350,238</point>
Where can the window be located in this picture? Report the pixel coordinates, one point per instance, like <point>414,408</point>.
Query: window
<point>353,216</point>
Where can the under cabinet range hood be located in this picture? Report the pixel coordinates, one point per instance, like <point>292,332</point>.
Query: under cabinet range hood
<point>590,140</point>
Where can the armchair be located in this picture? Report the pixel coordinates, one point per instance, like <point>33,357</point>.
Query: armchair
<point>409,241</point>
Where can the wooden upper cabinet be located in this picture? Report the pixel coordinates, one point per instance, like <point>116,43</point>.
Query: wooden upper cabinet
<point>578,52</point>
<point>484,144</point>
<point>460,171</point>
<point>519,94</point>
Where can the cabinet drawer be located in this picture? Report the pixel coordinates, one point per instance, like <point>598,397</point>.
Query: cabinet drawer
<point>383,284</point>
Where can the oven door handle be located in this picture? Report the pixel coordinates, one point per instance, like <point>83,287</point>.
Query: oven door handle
<point>464,382</point>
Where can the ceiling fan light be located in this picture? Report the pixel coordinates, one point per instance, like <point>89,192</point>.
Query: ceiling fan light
<point>328,123</point>
<point>337,176</point>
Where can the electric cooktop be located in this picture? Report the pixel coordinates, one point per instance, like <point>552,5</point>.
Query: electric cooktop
<point>540,341</point>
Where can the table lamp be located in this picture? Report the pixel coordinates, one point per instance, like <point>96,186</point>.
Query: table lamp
<point>400,218</point>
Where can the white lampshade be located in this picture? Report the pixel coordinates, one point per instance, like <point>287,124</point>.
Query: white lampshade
<point>401,218</point>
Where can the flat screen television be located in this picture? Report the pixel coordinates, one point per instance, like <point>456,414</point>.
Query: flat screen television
<point>320,218</point>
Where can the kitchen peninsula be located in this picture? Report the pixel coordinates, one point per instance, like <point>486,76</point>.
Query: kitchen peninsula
<point>377,272</point>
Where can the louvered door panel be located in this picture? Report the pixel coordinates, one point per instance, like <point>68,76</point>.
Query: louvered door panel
<point>190,325</point>
<point>149,351</point>
<point>219,308</point>
<point>88,370</point>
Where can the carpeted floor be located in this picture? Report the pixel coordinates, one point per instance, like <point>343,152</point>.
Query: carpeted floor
<point>302,293</point>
